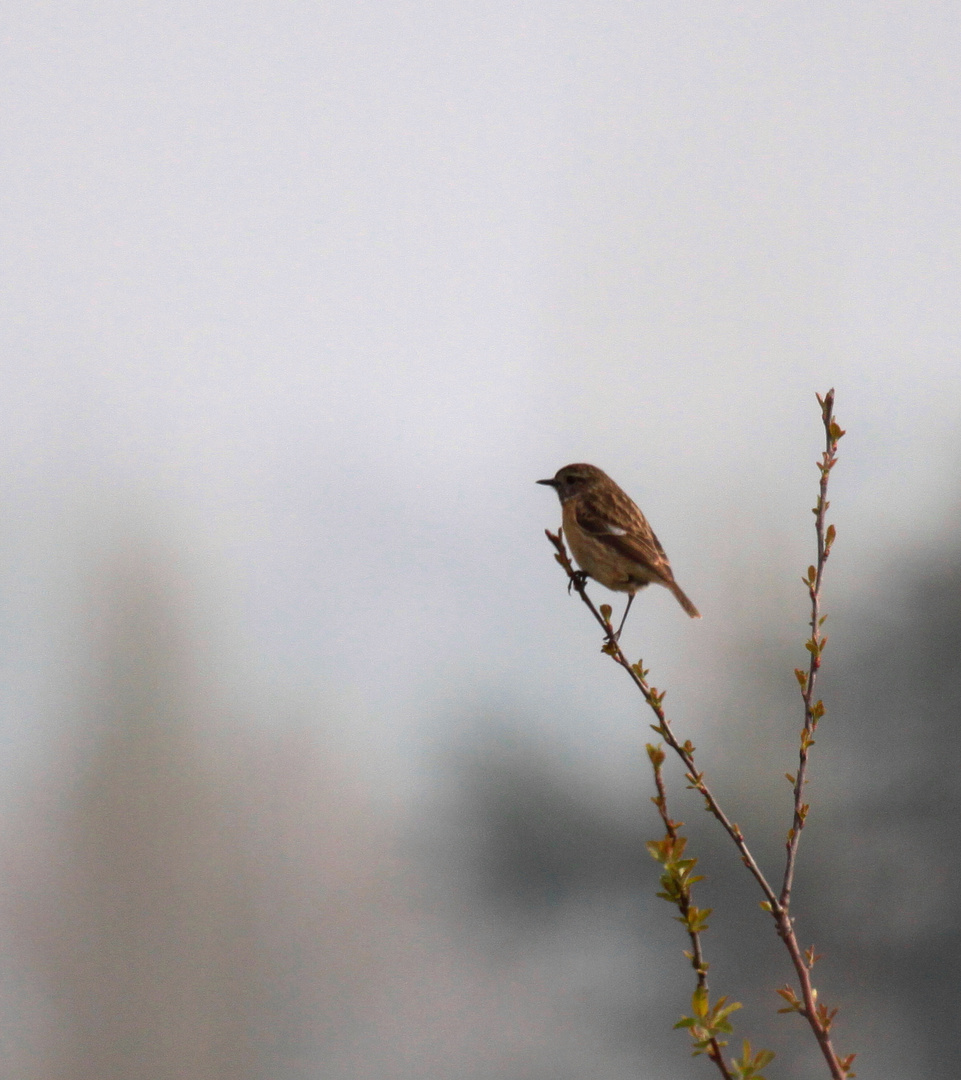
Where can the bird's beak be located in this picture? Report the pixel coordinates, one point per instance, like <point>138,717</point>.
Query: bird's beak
<point>550,483</point>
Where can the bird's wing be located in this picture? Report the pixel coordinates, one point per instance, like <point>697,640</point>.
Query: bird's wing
<point>625,529</point>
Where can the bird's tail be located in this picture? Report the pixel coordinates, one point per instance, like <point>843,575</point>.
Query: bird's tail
<point>683,600</point>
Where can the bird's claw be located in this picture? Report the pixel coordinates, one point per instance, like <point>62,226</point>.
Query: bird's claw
<point>577,580</point>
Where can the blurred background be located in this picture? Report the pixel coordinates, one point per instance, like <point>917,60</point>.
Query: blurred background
<point>310,765</point>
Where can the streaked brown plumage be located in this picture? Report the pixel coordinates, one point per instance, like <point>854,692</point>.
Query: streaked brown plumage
<point>609,537</point>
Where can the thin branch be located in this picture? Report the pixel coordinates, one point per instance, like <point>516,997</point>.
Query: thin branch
<point>677,881</point>
<point>671,827</point>
<point>654,699</point>
<point>813,710</point>
<point>818,1016</point>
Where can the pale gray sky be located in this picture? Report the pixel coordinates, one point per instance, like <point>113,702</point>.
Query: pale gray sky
<point>330,286</point>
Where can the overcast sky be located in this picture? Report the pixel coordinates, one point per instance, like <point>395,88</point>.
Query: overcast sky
<point>310,294</point>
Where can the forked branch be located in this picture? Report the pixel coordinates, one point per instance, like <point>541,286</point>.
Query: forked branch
<point>818,1016</point>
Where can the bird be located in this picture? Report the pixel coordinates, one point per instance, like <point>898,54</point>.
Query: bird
<point>610,538</point>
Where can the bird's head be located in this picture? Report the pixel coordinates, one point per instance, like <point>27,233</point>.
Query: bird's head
<point>573,480</point>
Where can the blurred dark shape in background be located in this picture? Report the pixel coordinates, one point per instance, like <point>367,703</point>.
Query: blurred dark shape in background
<point>543,834</point>
<point>890,871</point>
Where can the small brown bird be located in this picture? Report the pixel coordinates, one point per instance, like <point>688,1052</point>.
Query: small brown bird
<point>610,537</point>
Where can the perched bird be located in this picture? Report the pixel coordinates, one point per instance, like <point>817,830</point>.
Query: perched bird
<point>610,537</point>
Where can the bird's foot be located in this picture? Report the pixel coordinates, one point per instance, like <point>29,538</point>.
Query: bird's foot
<point>577,580</point>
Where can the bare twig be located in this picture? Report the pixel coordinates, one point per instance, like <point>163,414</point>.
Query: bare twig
<point>813,710</point>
